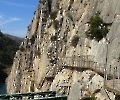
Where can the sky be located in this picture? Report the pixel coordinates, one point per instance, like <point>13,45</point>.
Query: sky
<point>16,15</point>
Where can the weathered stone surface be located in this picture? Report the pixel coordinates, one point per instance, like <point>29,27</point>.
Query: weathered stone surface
<point>74,92</point>
<point>39,66</point>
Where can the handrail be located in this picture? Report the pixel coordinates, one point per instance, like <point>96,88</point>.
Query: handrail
<point>29,94</point>
<point>82,62</point>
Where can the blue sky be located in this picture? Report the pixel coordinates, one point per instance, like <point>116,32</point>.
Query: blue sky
<point>16,15</point>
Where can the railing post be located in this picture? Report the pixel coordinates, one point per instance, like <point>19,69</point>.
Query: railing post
<point>84,62</point>
<point>104,75</point>
<point>118,74</point>
<point>88,64</point>
<point>110,70</point>
<point>81,62</point>
<point>91,63</point>
<point>72,61</point>
<point>95,65</point>
<point>69,63</point>
<point>116,71</point>
<point>113,79</point>
<point>99,67</point>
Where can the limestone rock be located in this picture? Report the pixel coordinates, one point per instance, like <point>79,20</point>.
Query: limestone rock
<point>47,60</point>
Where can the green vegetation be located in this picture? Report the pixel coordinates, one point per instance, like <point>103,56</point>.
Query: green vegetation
<point>57,5</point>
<point>54,37</point>
<point>34,36</point>
<point>70,16</point>
<point>119,58</point>
<point>56,24</point>
<point>53,61</point>
<point>98,28</point>
<point>49,5</point>
<point>65,39</point>
<point>3,74</point>
<point>71,1</point>
<point>38,53</point>
<point>8,48</point>
<point>22,49</point>
<point>88,98</point>
<point>75,40</point>
<point>53,14</point>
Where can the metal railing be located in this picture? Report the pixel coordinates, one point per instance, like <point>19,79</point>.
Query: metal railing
<point>87,63</point>
<point>30,95</point>
<point>84,62</point>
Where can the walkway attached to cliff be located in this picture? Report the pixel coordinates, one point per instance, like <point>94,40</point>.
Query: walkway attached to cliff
<point>111,75</point>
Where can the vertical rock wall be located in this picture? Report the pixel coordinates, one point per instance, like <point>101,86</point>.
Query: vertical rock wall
<point>37,64</point>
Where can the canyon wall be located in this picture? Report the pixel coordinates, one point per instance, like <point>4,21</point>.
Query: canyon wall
<point>38,65</point>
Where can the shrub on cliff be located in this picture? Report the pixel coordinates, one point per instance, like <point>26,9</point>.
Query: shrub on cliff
<point>70,16</point>
<point>56,24</point>
<point>49,5</point>
<point>98,28</point>
<point>38,53</point>
<point>22,49</point>
<point>71,1</point>
<point>34,36</point>
<point>53,61</point>
<point>54,37</point>
<point>75,40</point>
<point>53,14</point>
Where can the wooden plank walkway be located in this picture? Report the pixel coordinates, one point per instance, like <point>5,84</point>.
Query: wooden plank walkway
<point>82,63</point>
<point>110,74</point>
<point>85,63</point>
<point>113,85</point>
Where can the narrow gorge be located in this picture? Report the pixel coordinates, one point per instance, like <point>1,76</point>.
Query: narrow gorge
<point>68,46</point>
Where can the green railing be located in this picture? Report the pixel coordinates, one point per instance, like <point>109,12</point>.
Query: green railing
<point>55,98</point>
<point>48,95</point>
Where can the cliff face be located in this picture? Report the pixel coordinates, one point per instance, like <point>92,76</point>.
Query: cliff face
<point>38,65</point>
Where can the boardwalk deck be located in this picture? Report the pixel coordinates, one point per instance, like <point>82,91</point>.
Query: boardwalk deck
<point>113,85</point>
<point>81,63</point>
<point>84,63</point>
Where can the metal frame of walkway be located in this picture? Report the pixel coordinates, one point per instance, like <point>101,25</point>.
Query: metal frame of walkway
<point>48,95</point>
<point>111,75</point>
